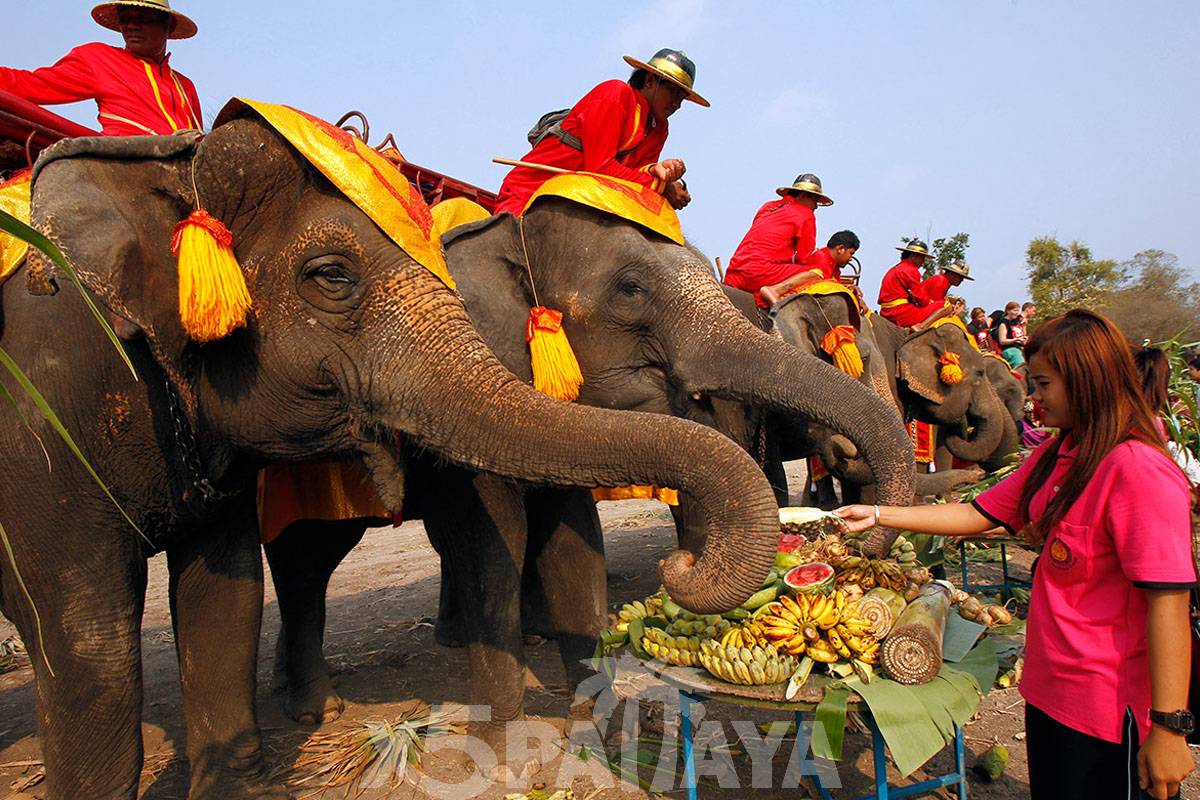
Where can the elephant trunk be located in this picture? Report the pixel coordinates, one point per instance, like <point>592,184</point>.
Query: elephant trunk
<point>737,361</point>
<point>1010,442</point>
<point>985,414</point>
<point>448,392</point>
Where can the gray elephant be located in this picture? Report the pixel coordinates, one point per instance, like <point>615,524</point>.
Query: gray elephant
<point>653,331</point>
<point>906,368</point>
<point>353,350</point>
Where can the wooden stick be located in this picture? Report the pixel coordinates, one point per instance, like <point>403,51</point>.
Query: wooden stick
<point>543,167</point>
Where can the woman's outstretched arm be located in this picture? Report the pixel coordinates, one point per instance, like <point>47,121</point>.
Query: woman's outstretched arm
<point>951,519</point>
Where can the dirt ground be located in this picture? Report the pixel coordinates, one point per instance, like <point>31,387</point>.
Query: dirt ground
<point>380,642</point>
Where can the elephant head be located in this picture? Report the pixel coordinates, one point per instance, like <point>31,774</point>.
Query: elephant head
<point>353,347</point>
<point>1010,389</point>
<point>932,391</point>
<point>652,329</point>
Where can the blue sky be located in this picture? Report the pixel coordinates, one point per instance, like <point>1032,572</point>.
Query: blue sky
<point>1007,120</point>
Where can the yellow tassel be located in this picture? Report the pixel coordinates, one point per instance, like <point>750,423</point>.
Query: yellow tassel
<point>555,370</point>
<point>213,298</point>
<point>950,372</point>
<point>839,343</point>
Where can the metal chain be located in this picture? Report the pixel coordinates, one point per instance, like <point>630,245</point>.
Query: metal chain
<point>185,438</point>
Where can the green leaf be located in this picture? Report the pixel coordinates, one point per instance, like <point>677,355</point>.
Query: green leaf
<point>829,729</point>
<point>48,413</point>
<point>12,225</point>
<point>37,618</point>
<point>636,632</point>
<point>911,735</point>
<point>981,664</point>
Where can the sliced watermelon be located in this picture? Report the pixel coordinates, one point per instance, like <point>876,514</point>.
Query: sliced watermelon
<point>788,542</point>
<point>813,578</point>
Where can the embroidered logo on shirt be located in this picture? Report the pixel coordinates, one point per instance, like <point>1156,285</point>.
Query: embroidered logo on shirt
<point>1061,555</point>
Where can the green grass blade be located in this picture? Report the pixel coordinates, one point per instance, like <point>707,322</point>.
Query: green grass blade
<point>28,426</point>
<point>37,618</point>
<point>14,226</point>
<point>40,402</point>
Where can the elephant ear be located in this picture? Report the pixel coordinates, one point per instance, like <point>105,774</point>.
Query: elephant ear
<point>917,365</point>
<point>487,262</point>
<point>111,206</point>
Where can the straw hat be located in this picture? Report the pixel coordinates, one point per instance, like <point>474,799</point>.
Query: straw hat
<point>959,268</point>
<point>918,247</point>
<point>809,184</point>
<point>106,15</point>
<point>674,66</point>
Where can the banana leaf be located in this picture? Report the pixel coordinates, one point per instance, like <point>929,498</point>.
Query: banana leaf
<point>829,729</point>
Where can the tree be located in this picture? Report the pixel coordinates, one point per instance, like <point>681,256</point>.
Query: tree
<point>945,251</point>
<point>1062,277</point>
<point>1158,300</point>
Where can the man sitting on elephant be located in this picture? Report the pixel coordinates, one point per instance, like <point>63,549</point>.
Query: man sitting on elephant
<point>770,258</point>
<point>618,129</point>
<point>135,88</point>
<point>826,263</point>
<point>907,300</point>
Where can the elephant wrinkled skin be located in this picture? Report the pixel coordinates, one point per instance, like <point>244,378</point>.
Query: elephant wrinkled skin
<point>353,349</point>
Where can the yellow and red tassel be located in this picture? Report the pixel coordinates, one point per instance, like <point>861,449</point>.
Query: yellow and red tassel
<point>839,343</point>
<point>555,369</point>
<point>213,298</point>
<point>950,372</point>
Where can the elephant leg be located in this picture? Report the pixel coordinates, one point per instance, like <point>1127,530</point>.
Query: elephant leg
<point>302,559</point>
<point>89,598</point>
<point>216,605</point>
<point>827,495</point>
<point>483,535</point>
<point>567,543</point>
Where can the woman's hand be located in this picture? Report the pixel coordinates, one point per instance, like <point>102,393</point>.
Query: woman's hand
<point>858,518</point>
<point>1163,762</point>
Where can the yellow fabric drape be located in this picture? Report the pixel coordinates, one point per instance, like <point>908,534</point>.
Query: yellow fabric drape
<point>626,199</point>
<point>14,199</point>
<point>456,211</point>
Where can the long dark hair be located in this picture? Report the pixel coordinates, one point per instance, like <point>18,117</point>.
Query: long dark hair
<point>1155,369</point>
<point>1107,405</point>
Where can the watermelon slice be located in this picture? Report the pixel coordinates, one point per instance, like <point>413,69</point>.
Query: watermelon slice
<point>789,542</point>
<point>815,578</point>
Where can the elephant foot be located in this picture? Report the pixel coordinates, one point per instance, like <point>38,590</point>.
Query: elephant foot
<point>240,790</point>
<point>450,632</point>
<point>237,776</point>
<point>504,773</point>
<point>313,703</point>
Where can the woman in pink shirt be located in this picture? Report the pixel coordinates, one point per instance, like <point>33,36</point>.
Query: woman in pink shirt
<point>1107,656</point>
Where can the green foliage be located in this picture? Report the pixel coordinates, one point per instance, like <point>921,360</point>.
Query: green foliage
<point>1182,416</point>
<point>1149,296</point>
<point>1063,277</point>
<point>945,250</point>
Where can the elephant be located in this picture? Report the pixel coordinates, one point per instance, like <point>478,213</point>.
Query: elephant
<point>352,350</point>
<point>652,331</point>
<point>903,367</point>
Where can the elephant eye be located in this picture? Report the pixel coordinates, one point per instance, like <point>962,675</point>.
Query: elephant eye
<point>630,287</point>
<point>331,274</point>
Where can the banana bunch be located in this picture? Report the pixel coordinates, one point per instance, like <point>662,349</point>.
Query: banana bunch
<point>682,651</point>
<point>703,627</point>
<point>825,627</point>
<point>869,573</point>
<point>757,666</point>
<point>902,551</point>
<point>749,634</point>
<point>638,609</point>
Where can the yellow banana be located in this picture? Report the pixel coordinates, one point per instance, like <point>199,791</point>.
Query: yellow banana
<point>821,653</point>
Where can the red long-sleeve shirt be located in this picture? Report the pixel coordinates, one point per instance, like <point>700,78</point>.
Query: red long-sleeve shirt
<point>783,234</point>
<point>135,96</point>
<point>611,118</point>
<point>822,261</point>
<point>921,297</point>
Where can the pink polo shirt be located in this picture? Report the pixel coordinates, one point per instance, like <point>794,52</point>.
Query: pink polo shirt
<point>1085,642</point>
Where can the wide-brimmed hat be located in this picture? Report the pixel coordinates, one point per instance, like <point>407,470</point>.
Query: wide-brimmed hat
<point>959,268</point>
<point>106,15</point>
<point>918,247</point>
<point>674,66</point>
<point>809,184</point>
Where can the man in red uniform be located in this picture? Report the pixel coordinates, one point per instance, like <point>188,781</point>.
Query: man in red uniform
<point>135,88</point>
<point>824,264</point>
<point>618,129</point>
<point>782,236</point>
<point>907,300</point>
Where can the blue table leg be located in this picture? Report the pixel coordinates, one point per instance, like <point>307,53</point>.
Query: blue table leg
<point>689,757</point>
<point>960,759</point>
<point>803,744</point>
<point>962,560</point>
<point>1006,592</point>
<point>879,754</point>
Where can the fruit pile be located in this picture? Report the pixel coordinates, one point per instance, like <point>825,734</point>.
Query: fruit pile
<point>747,666</point>
<point>972,609</point>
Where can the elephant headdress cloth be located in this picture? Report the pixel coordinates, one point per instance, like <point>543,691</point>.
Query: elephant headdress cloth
<point>369,180</point>
<point>14,199</point>
<point>626,199</point>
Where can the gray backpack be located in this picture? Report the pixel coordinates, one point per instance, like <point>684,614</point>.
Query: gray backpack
<point>550,124</point>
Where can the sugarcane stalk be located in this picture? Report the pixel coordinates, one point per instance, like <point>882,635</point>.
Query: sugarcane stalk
<point>912,652</point>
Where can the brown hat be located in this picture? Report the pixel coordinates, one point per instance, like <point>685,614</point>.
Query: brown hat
<point>106,15</point>
<point>918,247</point>
<point>674,66</point>
<point>809,184</point>
<point>959,268</point>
